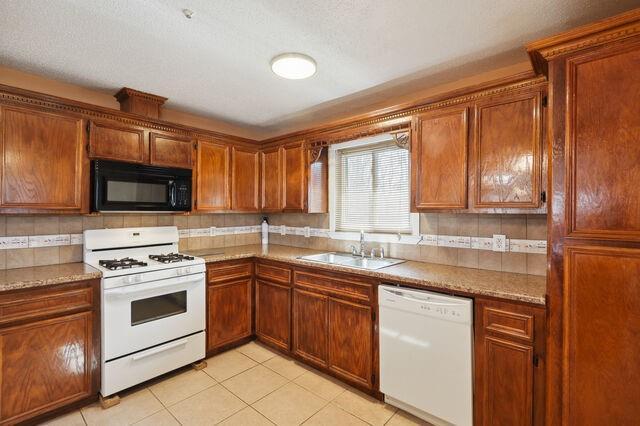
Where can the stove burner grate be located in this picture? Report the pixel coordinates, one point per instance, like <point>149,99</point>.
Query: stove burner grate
<point>170,258</point>
<point>124,263</point>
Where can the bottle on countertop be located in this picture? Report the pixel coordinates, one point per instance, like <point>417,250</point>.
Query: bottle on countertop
<point>265,231</point>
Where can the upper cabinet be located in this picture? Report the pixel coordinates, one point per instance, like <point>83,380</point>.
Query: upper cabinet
<point>271,176</point>
<point>294,164</point>
<point>294,178</point>
<point>508,151</point>
<point>117,142</point>
<point>44,162</point>
<point>213,189</point>
<point>171,150</point>
<point>245,179</point>
<point>439,159</point>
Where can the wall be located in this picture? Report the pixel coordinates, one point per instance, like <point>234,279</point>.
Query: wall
<point>531,227</point>
<point>12,226</point>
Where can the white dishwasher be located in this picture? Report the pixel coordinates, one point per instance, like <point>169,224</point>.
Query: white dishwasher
<point>426,354</point>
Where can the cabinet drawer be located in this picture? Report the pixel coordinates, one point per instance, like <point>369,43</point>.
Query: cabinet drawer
<point>37,304</point>
<point>337,285</point>
<point>509,324</point>
<point>220,272</point>
<point>275,273</point>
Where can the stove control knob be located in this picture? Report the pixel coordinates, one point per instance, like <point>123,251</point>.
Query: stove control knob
<point>128,280</point>
<point>139,278</point>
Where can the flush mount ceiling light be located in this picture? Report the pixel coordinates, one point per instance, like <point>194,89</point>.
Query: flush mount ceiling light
<point>294,66</point>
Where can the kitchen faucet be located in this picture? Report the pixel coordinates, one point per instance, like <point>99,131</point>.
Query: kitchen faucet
<point>355,251</point>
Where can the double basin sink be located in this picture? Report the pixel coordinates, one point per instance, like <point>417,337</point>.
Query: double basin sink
<point>345,259</point>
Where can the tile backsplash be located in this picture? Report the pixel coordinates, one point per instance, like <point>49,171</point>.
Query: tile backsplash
<point>27,226</point>
<point>530,227</point>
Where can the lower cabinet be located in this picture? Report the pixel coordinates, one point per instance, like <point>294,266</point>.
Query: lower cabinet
<point>273,313</point>
<point>229,316</point>
<point>509,370</point>
<point>229,303</point>
<point>49,348</point>
<point>332,332</point>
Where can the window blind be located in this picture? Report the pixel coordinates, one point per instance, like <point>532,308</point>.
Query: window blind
<point>372,189</point>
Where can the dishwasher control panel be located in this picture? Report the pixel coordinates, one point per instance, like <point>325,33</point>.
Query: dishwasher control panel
<point>451,308</point>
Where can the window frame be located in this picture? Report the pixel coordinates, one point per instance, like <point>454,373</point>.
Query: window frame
<point>414,218</point>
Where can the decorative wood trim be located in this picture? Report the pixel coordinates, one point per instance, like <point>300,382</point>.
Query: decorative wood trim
<point>21,97</point>
<point>402,139</point>
<point>598,33</point>
<point>400,115</point>
<point>314,153</point>
<point>127,92</point>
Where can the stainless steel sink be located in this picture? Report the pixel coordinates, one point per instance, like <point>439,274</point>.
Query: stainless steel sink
<point>345,259</point>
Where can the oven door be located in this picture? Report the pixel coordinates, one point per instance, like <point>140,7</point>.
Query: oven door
<point>134,187</point>
<point>140,316</point>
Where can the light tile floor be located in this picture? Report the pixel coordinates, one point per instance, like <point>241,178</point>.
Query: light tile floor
<point>250,385</point>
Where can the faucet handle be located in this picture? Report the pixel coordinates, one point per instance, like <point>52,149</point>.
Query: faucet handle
<point>381,252</point>
<point>354,250</point>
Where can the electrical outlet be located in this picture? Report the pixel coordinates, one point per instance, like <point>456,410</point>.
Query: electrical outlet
<point>499,242</point>
<point>307,232</point>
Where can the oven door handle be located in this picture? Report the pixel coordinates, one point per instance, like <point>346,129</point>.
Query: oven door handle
<point>143,288</point>
<point>159,349</point>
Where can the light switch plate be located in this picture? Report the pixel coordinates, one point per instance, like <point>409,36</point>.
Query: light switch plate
<point>499,242</point>
<point>307,232</point>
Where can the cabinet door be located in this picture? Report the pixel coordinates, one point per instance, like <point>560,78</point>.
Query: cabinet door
<point>508,151</point>
<point>351,341</point>
<point>113,142</point>
<point>273,309</point>
<point>272,184</point>
<point>245,179</point>
<point>439,160</point>
<point>43,160</point>
<point>295,182</point>
<point>213,191</point>
<point>229,312</point>
<point>171,150</point>
<point>310,326</point>
<point>45,365</point>
<point>507,397</point>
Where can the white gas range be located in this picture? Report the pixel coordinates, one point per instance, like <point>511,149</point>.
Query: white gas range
<point>153,303</point>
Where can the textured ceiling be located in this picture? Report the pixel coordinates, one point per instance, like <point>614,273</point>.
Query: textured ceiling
<point>217,64</point>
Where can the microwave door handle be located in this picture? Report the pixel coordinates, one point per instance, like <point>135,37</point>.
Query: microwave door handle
<point>172,193</point>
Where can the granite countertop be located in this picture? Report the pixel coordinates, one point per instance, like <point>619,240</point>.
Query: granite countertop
<point>39,276</point>
<point>503,285</point>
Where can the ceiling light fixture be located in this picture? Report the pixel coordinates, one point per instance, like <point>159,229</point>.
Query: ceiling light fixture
<point>188,13</point>
<point>294,66</point>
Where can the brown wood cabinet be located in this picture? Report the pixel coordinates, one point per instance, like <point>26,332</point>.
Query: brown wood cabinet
<point>294,179</point>
<point>229,304</point>
<point>507,156</point>
<point>311,327</point>
<point>213,189</point>
<point>245,179</point>
<point>50,349</point>
<point>439,159</point>
<point>593,288</point>
<point>294,163</point>
<point>273,313</point>
<point>271,177</point>
<point>509,364</point>
<point>117,142</point>
<point>333,324</point>
<point>44,162</point>
<point>170,150</point>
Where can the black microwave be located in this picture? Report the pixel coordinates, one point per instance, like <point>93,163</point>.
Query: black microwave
<point>125,187</point>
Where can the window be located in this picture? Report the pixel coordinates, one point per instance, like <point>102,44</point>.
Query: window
<point>370,187</point>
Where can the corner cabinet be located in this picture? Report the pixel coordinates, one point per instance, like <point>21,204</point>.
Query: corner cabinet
<point>229,304</point>
<point>273,305</point>
<point>509,363</point>
<point>45,166</point>
<point>245,179</point>
<point>50,349</point>
<point>294,178</point>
